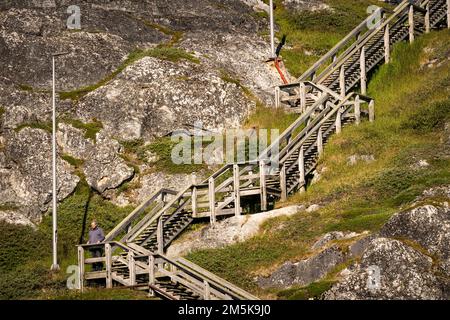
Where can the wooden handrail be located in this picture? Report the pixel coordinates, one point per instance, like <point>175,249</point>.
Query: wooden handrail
<point>332,52</point>
<point>135,213</point>
<point>343,59</point>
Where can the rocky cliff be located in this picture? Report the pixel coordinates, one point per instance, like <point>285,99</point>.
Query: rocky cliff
<point>136,71</point>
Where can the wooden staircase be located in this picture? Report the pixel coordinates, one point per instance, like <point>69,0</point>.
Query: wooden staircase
<point>325,98</point>
<point>346,66</point>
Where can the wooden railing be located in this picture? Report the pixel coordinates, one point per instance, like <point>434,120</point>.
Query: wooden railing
<point>138,262</point>
<point>358,42</point>
<point>127,223</point>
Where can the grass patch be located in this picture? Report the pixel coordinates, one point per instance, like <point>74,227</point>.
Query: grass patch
<point>8,207</point>
<point>90,129</point>
<point>46,126</point>
<point>72,161</point>
<point>312,291</point>
<point>162,147</point>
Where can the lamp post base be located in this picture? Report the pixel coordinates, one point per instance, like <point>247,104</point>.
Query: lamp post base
<point>55,267</point>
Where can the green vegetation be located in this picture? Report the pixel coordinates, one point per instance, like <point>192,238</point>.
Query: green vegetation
<point>98,294</point>
<point>162,148</point>
<point>90,129</point>
<point>2,111</point>
<point>47,126</point>
<point>26,87</point>
<point>411,108</point>
<point>72,161</point>
<point>25,253</point>
<point>314,290</point>
<point>175,35</point>
<point>8,207</point>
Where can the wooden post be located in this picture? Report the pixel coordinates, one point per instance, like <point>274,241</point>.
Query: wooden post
<point>131,268</point>
<point>319,141</point>
<point>108,261</point>
<point>194,201</point>
<point>338,121</point>
<point>207,295</point>
<point>427,20</point>
<point>411,23</point>
<point>302,97</point>
<point>334,57</point>
<point>212,201</point>
<point>301,168</point>
<point>80,268</point>
<point>357,110</point>
<point>277,97</point>
<point>262,185</point>
<point>151,274</point>
<point>313,76</point>
<point>362,62</point>
<point>283,183</point>
<point>342,81</point>
<point>387,45</point>
<point>372,110</point>
<point>237,194</point>
<point>160,235</point>
<point>448,14</point>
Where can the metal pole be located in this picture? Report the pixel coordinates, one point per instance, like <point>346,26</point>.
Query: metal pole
<point>55,266</point>
<point>272,32</point>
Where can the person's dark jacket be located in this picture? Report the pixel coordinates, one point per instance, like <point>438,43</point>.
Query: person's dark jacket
<point>96,235</point>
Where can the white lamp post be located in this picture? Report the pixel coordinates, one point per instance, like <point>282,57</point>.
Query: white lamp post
<point>55,266</point>
<point>272,32</point>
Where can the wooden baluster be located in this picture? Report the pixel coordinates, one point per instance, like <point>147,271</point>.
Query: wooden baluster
<point>338,121</point>
<point>427,19</point>
<point>319,141</point>
<point>277,97</point>
<point>207,294</point>
<point>151,274</point>
<point>194,201</point>
<point>342,81</point>
<point>212,201</point>
<point>160,235</point>
<point>387,45</point>
<point>237,194</point>
<point>362,62</point>
<point>81,268</point>
<point>302,97</point>
<point>411,23</point>
<point>131,268</point>
<point>448,14</point>
<point>357,110</point>
<point>283,183</point>
<point>262,185</point>
<point>108,261</point>
<point>372,110</point>
<point>301,169</point>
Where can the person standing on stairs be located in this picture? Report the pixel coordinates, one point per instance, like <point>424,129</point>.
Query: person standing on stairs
<point>96,235</point>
